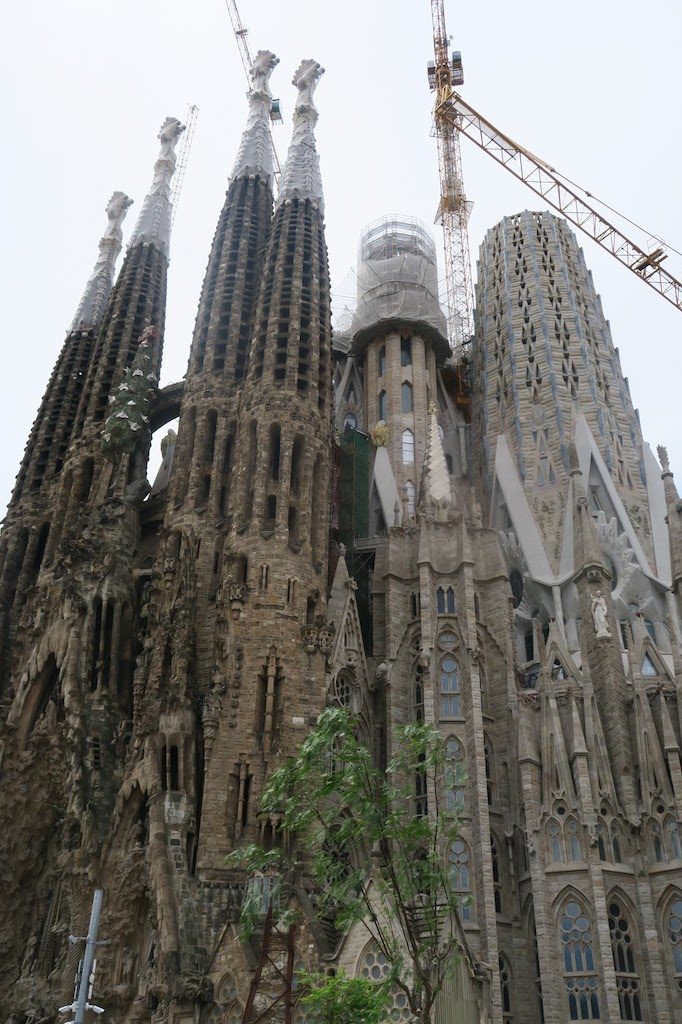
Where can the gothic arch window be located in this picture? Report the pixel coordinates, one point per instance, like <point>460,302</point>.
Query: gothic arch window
<point>534,960</point>
<point>506,990</point>
<point>450,599</point>
<point>381,361</point>
<point>405,351</point>
<point>554,833</point>
<point>616,843</point>
<point>674,932</point>
<point>602,839</point>
<point>450,699</point>
<point>672,835</point>
<point>374,965</point>
<point>572,839</point>
<point>656,841</point>
<point>406,396</point>
<point>382,406</point>
<point>343,689</point>
<point>460,877</point>
<point>580,978</point>
<point>455,793</point>
<point>418,695</point>
<point>421,801</point>
<point>489,770</point>
<point>440,601</point>
<point>275,451</point>
<point>408,446</point>
<point>497,881</point>
<point>627,977</point>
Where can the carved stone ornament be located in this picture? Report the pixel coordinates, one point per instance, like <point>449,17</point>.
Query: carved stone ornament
<point>236,592</point>
<point>325,639</point>
<point>380,434</point>
<point>309,639</point>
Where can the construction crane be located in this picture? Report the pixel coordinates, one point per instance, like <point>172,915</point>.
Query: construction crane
<point>574,203</point>
<point>445,71</point>
<point>241,33</point>
<point>183,158</point>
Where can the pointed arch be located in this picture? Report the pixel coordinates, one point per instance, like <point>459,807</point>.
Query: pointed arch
<point>455,792</point>
<point>407,439</point>
<point>572,842</point>
<point>460,876</point>
<point>489,756</point>
<point>579,966</point>
<point>671,914</point>
<point>554,837</point>
<point>506,990</point>
<point>375,966</point>
<point>622,920</point>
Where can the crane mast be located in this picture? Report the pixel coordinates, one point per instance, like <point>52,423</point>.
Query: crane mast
<point>453,208</point>
<point>183,157</point>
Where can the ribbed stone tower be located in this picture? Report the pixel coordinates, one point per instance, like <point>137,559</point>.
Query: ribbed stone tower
<point>549,368</point>
<point>505,566</point>
<point>577,500</point>
<point>275,557</point>
<point>205,455</point>
<point>27,525</point>
<point>70,650</point>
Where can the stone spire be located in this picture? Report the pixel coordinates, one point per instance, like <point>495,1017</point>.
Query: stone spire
<point>154,222</point>
<point>301,175</point>
<point>586,553</point>
<point>100,283</point>
<point>674,506</point>
<point>436,476</point>
<point>255,151</point>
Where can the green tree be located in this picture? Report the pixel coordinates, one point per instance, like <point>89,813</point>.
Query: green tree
<point>338,999</point>
<point>350,822</point>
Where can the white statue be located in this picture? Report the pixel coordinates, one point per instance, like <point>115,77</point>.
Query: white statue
<point>599,615</point>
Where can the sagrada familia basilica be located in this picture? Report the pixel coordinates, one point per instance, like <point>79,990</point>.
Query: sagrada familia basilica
<point>355,519</point>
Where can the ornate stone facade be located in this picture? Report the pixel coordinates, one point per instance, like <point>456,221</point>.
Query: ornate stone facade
<point>497,564</point>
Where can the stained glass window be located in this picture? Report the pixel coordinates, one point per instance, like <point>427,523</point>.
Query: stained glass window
<point>579,969</point>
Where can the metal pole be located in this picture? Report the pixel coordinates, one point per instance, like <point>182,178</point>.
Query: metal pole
<point>90,947</point>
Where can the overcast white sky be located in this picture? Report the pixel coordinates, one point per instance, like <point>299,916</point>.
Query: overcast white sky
<point>590,85</point>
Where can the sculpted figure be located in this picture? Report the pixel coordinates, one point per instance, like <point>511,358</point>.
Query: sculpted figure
<point>599,615</point>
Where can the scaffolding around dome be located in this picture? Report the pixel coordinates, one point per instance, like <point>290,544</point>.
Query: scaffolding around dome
<point>397,282</point>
